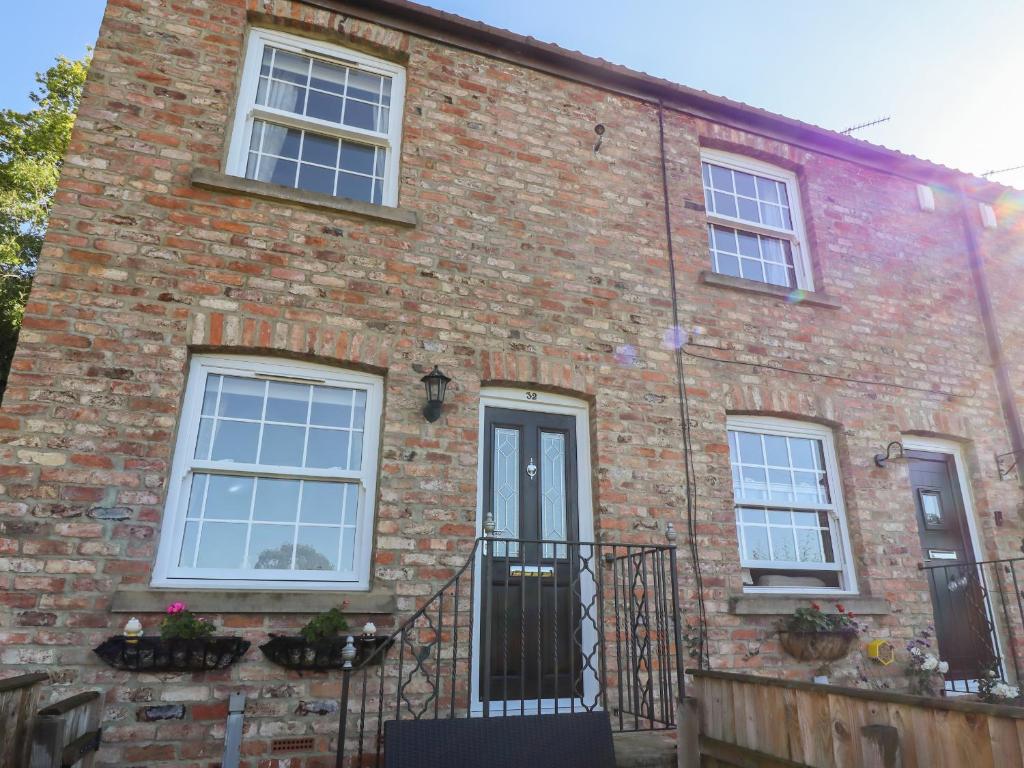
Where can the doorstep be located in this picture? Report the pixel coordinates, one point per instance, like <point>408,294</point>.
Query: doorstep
<point>645,749</point>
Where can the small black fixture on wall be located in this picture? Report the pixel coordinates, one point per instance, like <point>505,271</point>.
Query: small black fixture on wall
<point>893,453</point>
<point>436,384</point>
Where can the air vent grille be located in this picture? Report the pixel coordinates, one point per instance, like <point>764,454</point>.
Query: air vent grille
<point>300,744</point>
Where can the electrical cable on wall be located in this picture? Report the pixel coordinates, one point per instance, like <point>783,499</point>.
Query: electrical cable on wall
<point>703,660</point>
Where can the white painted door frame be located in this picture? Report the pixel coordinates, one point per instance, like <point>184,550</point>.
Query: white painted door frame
<point>543,402</point>
<point>955,449</point>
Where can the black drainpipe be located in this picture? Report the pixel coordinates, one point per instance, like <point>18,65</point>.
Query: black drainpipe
<point>1007,397</point>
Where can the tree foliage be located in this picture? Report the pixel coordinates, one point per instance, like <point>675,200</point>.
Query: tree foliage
<point>32,147</point>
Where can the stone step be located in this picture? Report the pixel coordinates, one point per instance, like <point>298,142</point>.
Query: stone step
<point>645,749</point>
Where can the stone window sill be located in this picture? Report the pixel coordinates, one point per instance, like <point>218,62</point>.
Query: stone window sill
<point>781,605</point>
<point>204,178</point>
<point>810,298</point>
<point>255,601</point>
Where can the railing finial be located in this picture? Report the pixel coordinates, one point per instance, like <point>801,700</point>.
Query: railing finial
<point>489,525</point>
<point>670,533</point>
<point>348,653</point>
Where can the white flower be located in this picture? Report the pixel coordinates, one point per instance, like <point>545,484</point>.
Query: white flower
<point>943,667</point>
<point>929,663</point>
<point>915,651</point>
<point>1004,691</point>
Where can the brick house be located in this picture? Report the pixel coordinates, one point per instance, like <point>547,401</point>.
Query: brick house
<point>276,217</point>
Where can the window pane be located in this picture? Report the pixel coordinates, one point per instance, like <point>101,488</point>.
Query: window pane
<point>357,157</point>
<point>360,408</point>
<point>197,494</point>
<point>235,441</point>
<point>752,270</point>
<point>363,85</point>
<point>273,170</point>
<point>276,499</point>
<point>777,274</point>
<point>776,452</point>
<point>270,546</point>
<point>290,67</point>
<point>221,545</point>
<point>747,209</point>
<point>777,517</point>
<point>332,407</point>
<point>721,178</point>
<point>241,398</point>
<point>783,544</point>
<point>228,497</point>
<point>188,545</point>
<point>313,178</point>
<point>280,141</point>
<point>767,190</point>
<point>287,402</point>
<point>745,184</point>
<point>725,204</point>
<point>748,245</point>
<point>277,557</point>
<point>752,515</point>
<point>284,96</point>
<point>282,445</point>
<point>804,453</point>
<point>327,449</point>
<point>750,448</point>
<point>728,265</point>
<point>204,438</point>
<point>323,502</point>
<point>325,106</point>
<point>348,549</point>
<point>781,485</point>
<point>317,549</point>
<point>355,187</point>
<point>210,394</point>
<point>754,485</point>
<point>322,150</point>
<point>755,543</point>
<point>809,546</point>
<point>329,77</point>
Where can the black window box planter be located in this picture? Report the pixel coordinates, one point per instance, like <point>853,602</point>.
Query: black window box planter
<point>175,655</point>
<point>295,652</point>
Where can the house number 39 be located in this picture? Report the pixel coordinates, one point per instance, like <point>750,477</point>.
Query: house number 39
<point>531,395</point>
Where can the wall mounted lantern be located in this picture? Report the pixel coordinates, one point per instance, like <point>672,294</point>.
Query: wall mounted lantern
<point>893,453</point>
<point>436,384</point>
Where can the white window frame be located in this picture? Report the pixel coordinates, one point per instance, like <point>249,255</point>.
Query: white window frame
<point>770,425</point>
<point>167,572</point>
<point>796,237</point>
<point>247,110</point>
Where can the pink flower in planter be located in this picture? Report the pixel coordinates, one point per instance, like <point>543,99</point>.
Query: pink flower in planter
<point>175,608</point>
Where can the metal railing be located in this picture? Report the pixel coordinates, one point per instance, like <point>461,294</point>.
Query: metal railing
<point>528,627</point>
<point>979,612</point>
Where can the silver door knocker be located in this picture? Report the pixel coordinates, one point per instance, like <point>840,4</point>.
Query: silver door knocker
<point>531,469</point>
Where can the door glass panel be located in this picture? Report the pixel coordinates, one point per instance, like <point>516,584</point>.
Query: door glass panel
<point>552,491</point>
<point>505,499</point>
<point>931,508</point>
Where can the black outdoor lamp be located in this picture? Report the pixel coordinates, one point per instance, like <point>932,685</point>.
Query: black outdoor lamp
<point>436,384</point>
<point>893,452</point>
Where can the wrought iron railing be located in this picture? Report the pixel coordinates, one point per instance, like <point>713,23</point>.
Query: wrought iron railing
<point>528,627</point>
<point>979,618</point>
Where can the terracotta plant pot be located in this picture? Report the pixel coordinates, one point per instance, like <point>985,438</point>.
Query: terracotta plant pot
<point>817,646</point>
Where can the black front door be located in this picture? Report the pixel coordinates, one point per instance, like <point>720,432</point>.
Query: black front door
<point>962,628</point>
<point>530,606</point>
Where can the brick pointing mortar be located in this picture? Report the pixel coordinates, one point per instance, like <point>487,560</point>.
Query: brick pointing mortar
<point>535,263</point>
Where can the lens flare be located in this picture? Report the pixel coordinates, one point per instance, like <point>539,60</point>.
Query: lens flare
<point>674,338</point>
<point>625,354</point>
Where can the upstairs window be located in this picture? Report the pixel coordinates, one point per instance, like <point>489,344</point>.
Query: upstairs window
<point>789,507</point>
<point>317,117</point>
<point>755,230</point>
<point>274,476</point>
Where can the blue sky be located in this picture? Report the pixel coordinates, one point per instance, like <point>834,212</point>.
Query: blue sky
<point>950,73</point>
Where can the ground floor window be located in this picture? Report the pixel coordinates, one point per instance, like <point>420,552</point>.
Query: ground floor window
<point>274,475</point>
<point>788,503</point>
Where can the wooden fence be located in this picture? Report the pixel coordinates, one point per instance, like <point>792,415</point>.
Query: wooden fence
<point>758,722</point>
<point>63,734</point>
<point>18,697</point>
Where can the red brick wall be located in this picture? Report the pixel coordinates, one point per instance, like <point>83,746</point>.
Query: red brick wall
<point>533,262</point>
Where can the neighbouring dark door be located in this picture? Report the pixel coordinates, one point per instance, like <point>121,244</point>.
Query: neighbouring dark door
<point>962,629</point>
<point>530,606</point>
